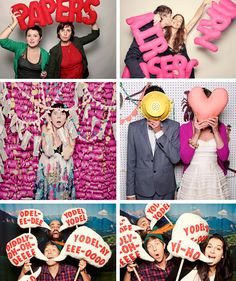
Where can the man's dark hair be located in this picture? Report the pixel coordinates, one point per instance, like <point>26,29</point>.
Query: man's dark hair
<point>37,28</point>
<point>153,88</point>
<point>162,9</point>
<point>62,25</point>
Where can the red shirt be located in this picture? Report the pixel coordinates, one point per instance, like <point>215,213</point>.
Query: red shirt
<point>72,62</point>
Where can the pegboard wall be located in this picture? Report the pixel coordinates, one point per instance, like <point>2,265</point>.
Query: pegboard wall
<point>175,91</point>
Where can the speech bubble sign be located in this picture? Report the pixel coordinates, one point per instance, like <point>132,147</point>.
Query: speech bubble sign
<point>131,248</point>
<point>125,225</point>
<point>73,217</point>
<point>155,211</point>
<point>191,226</point>
<point>85,243</point>
<point>23,248</point>
<point>31,218</point>
<point>31,277</point>
<point>186,249</point>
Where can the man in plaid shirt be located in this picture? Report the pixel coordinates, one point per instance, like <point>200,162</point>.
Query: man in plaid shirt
<point>150,271</point>
<point>54,271</point>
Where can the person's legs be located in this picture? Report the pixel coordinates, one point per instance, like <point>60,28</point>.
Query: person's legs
<point>140,197</point>
<point>168,196</point>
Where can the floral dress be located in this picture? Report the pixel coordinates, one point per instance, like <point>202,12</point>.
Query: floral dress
<point>55,178</point>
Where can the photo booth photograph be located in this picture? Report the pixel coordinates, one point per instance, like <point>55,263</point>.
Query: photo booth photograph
<point>72,241</point>
<point>58,140</point>
<point>165,39</point>
<point>58,39</point>
<point>168,241</point>
<point>177,140</point>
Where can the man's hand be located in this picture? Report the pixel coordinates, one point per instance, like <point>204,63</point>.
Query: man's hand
<point>156,19</point>
<point>82,265</point>
<point>131,267</point>
<point>155,125</point>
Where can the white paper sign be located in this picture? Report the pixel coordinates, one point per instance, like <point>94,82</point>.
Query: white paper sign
<point>31,218</point>
<point>73,217</point>
<point>23,248</point>
<point>125,225</point>
<point>131,248</point>
<point>85,243</point>
<point>31,277</point>
<point>155,211</point>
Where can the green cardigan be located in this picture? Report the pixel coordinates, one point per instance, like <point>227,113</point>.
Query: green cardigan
<point>19,48</point>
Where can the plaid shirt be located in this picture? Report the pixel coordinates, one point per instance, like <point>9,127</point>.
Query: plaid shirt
<point>149,271</point>
<point>65,273</point>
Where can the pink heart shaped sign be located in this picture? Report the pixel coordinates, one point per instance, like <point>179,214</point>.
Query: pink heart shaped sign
<point>206,107</point>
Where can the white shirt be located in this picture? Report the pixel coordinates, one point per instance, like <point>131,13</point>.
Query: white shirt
<point>153,137</point>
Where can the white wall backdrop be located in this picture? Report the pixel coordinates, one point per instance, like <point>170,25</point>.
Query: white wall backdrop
<point>175,90</point>
<point>211,65</point>
<point>101,53</point>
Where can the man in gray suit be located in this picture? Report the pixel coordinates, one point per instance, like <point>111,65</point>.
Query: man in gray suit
<point>153,151</point>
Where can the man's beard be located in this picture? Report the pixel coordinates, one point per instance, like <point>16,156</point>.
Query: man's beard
<point>58,234</point>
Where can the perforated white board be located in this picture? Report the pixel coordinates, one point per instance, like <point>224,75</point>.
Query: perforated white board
<point>175,90</point>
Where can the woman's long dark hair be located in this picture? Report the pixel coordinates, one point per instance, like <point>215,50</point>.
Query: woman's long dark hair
<point>179,37</point>
<point>224,269</point>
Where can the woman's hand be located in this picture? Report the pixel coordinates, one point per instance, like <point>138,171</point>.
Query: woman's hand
<point>207,2</point>
<point>43,74</point>
<point>49,124</point>
<point>198,126</point>
<point>13,18</point>
<point>213,122</point>
<point>94,26</point>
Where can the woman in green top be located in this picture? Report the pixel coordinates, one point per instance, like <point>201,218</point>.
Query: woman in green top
<point>30,60</point>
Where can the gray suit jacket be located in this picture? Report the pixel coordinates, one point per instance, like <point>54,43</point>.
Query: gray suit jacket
<point>147,174</point>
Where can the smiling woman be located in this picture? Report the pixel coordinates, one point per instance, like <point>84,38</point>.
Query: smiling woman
<point>30,60</point>
<point>219,269</point>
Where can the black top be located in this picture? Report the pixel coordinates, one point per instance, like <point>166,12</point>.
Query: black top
<point>28,70</point>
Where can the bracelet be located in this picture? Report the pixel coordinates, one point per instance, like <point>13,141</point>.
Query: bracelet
<point>10,26</point>
<point>195,145</point>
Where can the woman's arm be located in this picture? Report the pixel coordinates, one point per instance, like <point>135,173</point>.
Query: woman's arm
<point>91,36</point>
<point>186,150</point>
<point>189,26</point>
<point>68,150</point>
<point>221,139</point>
<point>8,30</point>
